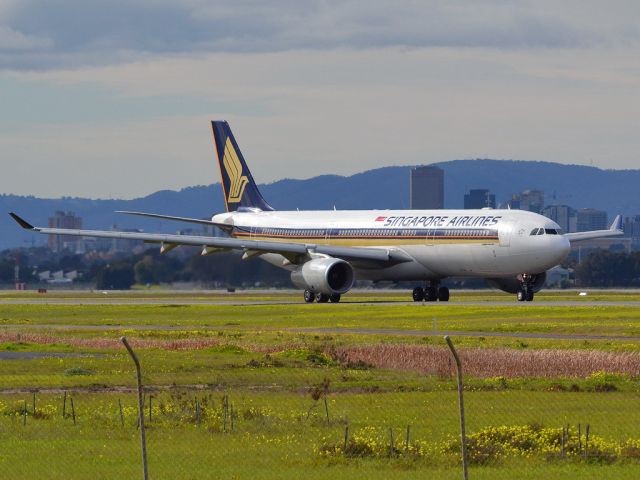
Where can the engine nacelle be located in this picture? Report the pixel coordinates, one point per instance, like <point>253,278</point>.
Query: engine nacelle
<point>324,275</point>
<point>512,285</point>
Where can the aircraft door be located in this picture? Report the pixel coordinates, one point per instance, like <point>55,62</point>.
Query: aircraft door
<point>329,232</point>
<point>429,240</point>
<point>505,230</point>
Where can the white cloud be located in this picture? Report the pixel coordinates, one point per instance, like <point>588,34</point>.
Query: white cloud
<point>115,31</point>
<point>14,41</point>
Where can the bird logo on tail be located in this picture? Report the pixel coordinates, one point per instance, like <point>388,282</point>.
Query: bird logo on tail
<point>237,181</point>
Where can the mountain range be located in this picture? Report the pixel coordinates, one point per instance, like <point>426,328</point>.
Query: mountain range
<point>615,191</point>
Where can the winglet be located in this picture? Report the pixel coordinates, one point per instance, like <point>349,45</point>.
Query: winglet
<point>617,223</point>
<point>22,222</point>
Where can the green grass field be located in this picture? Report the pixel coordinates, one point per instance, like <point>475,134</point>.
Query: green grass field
<point>275,375</point>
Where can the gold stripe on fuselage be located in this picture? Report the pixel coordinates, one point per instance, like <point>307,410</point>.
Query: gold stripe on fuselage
<point>369,241</point>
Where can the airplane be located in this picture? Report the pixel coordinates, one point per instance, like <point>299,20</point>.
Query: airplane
<point>327,251</point>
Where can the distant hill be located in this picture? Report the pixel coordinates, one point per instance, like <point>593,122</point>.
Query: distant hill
<point>615,191</point>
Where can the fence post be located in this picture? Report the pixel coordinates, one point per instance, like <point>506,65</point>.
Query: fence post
<point>463,436</point>
<point>406,443</point>
<point>326,408</point>
<point>140,407</point>
<point>121,413</point>
<point>346,439</point>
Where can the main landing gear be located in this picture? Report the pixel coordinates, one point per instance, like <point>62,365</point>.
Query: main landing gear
<point>525,292</point>
<point>433,292</point>
<point>311,297</point>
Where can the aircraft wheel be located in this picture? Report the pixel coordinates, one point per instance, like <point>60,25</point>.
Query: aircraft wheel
<point>418,294</point>
<point>430,294</point>
<point>529,297</point>
<point>443,294</point>
<point>322,298</point>
<point>520,296</point>
<point>334,298</point>
<point>309,297</point>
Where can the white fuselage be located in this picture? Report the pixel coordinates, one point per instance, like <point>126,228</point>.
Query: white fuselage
<point>464,243</point>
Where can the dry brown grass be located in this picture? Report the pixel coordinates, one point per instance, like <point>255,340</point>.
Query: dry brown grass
<point>486,363</point>
<point>110,343</point>
<point>193,343</point>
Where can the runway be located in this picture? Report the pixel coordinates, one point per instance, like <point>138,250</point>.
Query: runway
<point>240,302</point>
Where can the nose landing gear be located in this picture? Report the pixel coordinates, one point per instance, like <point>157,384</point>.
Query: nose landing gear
<point>433,292</point>
<point>525,293</point>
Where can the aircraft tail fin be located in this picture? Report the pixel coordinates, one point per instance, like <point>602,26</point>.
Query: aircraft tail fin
<point>239,188</point>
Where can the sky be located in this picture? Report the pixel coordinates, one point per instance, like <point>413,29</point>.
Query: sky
<point>113,99</point>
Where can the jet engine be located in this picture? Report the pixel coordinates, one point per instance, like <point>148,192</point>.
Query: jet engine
<point>512,285</point>
<point>324,275</point>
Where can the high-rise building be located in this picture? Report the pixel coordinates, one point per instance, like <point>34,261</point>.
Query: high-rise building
<point>532,200</point>
<point>591,219</point>
<point>563,215</point>
<point>631,228</point>
<point>426,188</point>
<point>515,201</point>
<point>58,243</point>
<point>479,198</point>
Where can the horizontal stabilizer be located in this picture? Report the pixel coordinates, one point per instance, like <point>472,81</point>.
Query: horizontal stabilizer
<point>170,217</point>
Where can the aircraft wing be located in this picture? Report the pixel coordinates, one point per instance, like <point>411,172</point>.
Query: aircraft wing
<point>295,252</point>
<point>614,230</point>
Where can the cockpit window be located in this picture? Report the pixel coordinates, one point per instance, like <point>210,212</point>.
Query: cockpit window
<point>551,231</point>
<point>541,231</point>
<point>534,231</point>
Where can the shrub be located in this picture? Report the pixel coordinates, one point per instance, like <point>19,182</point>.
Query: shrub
<point>78,371</point>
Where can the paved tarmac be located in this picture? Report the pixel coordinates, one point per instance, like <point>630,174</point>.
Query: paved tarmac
<point>240,302</point>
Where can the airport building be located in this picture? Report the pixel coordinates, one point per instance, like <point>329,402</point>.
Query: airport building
<point>426,188</point>
<point>479,198</point>
<point>563,215</point>
<point>58,243</point>
<point>591,219</point>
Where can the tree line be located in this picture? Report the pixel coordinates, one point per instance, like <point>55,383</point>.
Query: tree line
<point>602,268</point>
<point>120,272</point>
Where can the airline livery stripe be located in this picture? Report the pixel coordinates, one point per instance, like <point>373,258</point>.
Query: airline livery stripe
<point>368,236</point>
<point>357,237</point>
<point>367,233</point>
